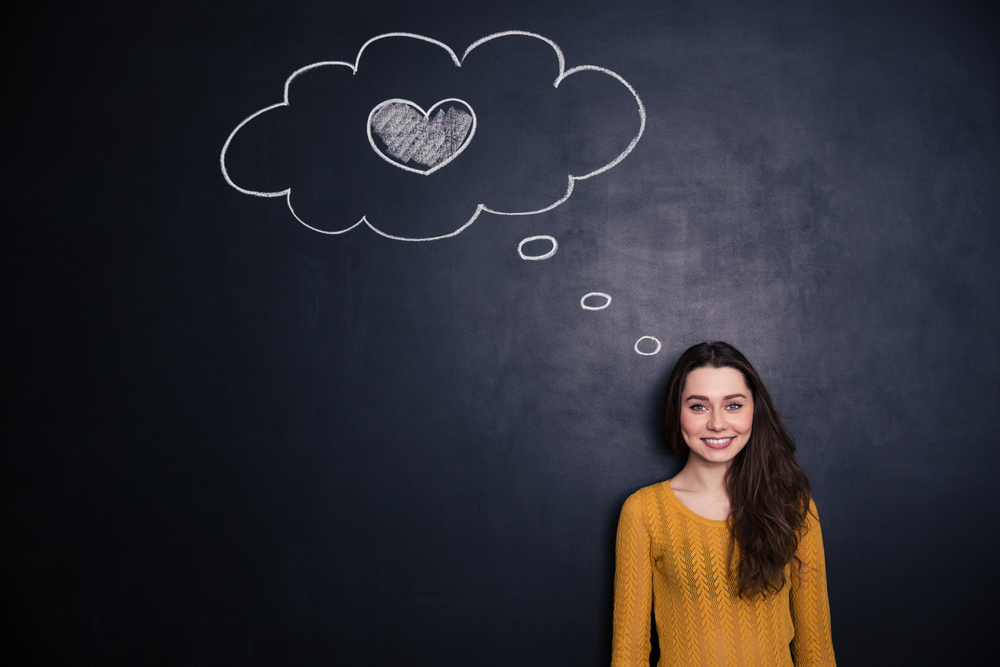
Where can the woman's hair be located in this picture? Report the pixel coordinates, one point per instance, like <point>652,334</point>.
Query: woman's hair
<point>768,489</point>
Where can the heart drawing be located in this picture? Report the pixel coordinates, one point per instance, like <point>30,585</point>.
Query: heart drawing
<point>403,134</point>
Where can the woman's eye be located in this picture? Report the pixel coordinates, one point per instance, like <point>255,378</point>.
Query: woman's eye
<point>698,407</point>
<point>734,406</point>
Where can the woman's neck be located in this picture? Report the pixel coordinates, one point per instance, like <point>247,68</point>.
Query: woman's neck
<point>700,476</point>
<point>701,487</point>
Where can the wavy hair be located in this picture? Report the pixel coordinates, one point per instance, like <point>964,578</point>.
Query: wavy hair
<point>768,490</point>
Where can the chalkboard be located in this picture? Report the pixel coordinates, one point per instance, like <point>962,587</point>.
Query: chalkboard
<point>338,335</point>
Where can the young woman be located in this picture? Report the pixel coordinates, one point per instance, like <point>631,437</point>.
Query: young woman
<point>727,556</point>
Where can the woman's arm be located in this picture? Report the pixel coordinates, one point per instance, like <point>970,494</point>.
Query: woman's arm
<point>813,644</point>
<point>633,588</point>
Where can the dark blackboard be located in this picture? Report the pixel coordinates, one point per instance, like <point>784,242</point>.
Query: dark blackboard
<point>236,440</point>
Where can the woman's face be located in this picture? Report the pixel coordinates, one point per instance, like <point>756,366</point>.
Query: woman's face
<point>716,413</point>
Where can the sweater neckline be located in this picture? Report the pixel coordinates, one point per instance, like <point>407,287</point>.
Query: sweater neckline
<point>690,513</point>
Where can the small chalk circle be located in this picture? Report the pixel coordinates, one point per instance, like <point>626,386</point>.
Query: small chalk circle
<point>520,247</point>
<point>600,295</point>
<point>647,354</point>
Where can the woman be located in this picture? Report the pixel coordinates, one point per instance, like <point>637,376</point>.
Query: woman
<point>727,555</point>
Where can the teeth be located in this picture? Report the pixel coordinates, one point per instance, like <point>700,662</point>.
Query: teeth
<point>717,441</point>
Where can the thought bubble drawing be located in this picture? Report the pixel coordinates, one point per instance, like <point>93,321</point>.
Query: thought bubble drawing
<point>553,247</point>
<point>416,143</point>
<point>600,305</point>
<point>648,353</point>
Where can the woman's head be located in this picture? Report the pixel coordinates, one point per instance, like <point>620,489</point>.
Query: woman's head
<point>719,355</point>
<point>716,415</point>
<point>768,490</point>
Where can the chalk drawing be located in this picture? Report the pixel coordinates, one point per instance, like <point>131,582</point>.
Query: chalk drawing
<point>444,153</point>
<point>520,246</point>
<point>647,354</point>
<point>599,295</point>
<point>409,133</point>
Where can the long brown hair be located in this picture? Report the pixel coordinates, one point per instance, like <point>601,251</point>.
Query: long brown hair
<point>768,489</point>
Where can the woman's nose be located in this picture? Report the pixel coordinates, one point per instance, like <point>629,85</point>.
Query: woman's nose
<point>717,421</point>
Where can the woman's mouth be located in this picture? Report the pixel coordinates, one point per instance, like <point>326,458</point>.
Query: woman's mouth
<point>718,443</point>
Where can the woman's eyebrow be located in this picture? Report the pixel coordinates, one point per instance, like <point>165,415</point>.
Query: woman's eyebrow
<point>705,398</point>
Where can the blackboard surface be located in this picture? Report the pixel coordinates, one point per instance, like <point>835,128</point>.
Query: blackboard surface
<point>234,440</point>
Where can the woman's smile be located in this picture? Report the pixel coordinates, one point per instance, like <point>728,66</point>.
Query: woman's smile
<point>718,443</point>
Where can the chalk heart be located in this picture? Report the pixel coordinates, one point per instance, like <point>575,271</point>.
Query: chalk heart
<point>406,136</point>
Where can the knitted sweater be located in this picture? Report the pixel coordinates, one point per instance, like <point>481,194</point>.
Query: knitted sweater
<point>673,561</point>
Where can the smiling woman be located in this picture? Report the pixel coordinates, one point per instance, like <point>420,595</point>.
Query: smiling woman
<point>727,556</point>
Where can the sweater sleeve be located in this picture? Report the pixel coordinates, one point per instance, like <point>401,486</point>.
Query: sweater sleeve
<point>813,643</point>
<point>633,588</point>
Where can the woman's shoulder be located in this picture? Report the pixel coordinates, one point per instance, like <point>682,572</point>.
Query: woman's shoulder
<point>644,497</point>
<point>648,492</point>
<point>812,514</point>
<point>811,527</point>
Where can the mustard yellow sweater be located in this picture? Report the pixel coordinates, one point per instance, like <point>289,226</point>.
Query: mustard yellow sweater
<point>673,561</point>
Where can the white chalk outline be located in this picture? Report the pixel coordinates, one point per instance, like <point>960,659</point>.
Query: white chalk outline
<point>648,354</point>
<point>583,301</point>
<point>542,237</point>
<point>563,73</point>
<point>427,115</point>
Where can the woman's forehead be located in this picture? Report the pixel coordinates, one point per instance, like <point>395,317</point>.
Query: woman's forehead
<point>715,382</point>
